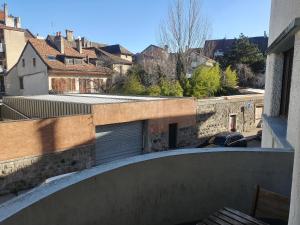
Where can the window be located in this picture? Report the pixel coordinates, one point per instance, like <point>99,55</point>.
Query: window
<point>69,61</point>
<point>286,83</point>
<point>51,57</point>
<point>21,83</point>
<point>34,62</point>
<point>23,62</point>
<point>77,61</point>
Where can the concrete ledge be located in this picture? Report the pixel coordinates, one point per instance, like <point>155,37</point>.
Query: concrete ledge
<point>278,128</point>
<point>160,188</point>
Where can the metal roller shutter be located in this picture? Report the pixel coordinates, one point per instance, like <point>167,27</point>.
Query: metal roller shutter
<point>118,141</point>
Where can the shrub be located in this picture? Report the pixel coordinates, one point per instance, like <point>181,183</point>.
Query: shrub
<point>154,90</point>
<point>133,86</point>
<point>205,81</point>
<point>230,79</point>
<point>171,88</point>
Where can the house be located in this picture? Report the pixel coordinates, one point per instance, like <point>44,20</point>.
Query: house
<point>85,42</point>
<point>197,58</point>
<point>119,51</point>
<point>99,57</point>
<point>282,105</point>
<point>52,65</point>
<point>154,56</point>
<point>103,55</point>
<point>217,48</point>
<point>12,41</point>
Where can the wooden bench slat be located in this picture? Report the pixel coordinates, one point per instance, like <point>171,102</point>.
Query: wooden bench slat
<point>245,216</point>
<point>238,218</point>
<point>218,220</point>
<point>227,219</point>
<point>208,222</point>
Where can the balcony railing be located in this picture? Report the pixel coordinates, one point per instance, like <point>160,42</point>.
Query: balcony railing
<point>171,187</point>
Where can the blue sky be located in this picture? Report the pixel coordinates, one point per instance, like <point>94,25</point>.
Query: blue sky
<point>134,23</point>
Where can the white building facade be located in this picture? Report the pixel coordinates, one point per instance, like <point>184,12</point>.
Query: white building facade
<point>282,106</point>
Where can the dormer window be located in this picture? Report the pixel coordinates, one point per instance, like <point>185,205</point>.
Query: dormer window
<point>69,61</point>
<point>51,57</point>
<point>77,61</point>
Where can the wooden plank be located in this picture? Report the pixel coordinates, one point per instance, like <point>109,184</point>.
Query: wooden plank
<point>272,205</point>
<point>208,222</point>
<point>238,218</point>
<point>227,219</point>
<point>245,216</point>
<point>218,220</point>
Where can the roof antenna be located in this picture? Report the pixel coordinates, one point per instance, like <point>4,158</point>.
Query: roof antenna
<point>52,27</point>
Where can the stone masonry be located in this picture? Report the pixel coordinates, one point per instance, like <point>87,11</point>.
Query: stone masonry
<point>24,173</point>
<point>213,114</point>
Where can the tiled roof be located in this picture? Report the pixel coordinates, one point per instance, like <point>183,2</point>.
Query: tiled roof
<point>114,59</point>
<point>27,33</point>
<point>116,49</point>
<point>2,15</point>
<point>90,53</point>
<point>45,50</point>
<point>69,50</point>
<point>225,45</point>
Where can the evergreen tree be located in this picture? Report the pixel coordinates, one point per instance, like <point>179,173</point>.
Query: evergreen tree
<point>244,52</point>
<point>230,79</point>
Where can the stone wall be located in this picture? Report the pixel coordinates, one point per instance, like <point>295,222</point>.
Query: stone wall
<point>212,117</point>
<point>23,173</point>
<point>213,114</point>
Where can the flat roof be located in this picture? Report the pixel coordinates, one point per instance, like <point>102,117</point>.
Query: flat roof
<point>89,98</point>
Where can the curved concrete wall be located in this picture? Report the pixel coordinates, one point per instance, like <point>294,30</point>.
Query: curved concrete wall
<point>161,188</point>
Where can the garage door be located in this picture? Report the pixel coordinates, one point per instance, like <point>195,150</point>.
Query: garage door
<point>118,141</point>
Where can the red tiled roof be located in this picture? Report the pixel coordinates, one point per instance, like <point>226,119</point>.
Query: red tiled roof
<point>90,53</point>
<point>45,50</point>
<point>114,59</point>
<point>2,15</point>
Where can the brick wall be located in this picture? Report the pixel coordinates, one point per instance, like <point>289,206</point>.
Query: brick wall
<point>36,137</point>
<point>34,150</point>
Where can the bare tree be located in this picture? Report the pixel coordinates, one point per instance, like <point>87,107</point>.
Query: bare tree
<point>185,28</point>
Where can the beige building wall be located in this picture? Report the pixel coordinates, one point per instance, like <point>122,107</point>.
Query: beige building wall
<point>14,44</point>
<point>121,68</point>
<point>126,57</point>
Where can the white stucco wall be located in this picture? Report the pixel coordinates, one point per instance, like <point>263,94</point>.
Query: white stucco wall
<point>293,132</point>
<point>282,14</point>
<point>35,78</point>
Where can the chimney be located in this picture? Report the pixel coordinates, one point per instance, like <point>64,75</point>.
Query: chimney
<point>5,10</point>
<point>70,35</point>
<point>166,48</point>
<point>79,45</point>
<point>265,34</point>
<point>17,22</point>
<point>59,42</point>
